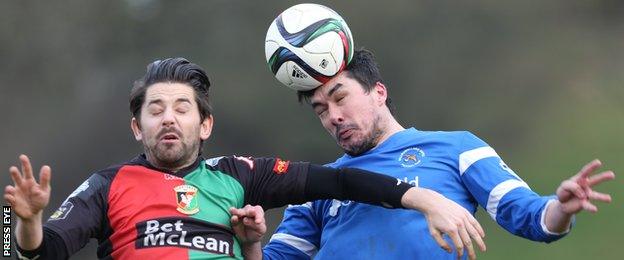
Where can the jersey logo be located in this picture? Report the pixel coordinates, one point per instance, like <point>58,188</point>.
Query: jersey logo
<point>67,206</point>
<point>509,170</point>
<point>411,157</point>
<point>186,233</point>
<point>413,181</point>
<point>186,196</point>
<point>280,166</point>
<point>169,177</point>
<point>62,211</point>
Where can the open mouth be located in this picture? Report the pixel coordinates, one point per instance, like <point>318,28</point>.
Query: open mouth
<point>169,138</point>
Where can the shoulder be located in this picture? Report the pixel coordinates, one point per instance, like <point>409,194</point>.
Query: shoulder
<point>108,174</point>
<point>460,139</point>
<point>227,163</point>
<point>449,136</point>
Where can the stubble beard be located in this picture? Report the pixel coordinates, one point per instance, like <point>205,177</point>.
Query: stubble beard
<point>368,142</point>
<point>171,157</point>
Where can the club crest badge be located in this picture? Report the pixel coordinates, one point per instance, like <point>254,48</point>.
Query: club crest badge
<point>62,212</point>
<point>411,157</point>
<point>186,196</point>
<point>280,166</point>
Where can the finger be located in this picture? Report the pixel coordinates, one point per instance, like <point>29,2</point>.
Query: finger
<point>26,167</point>
<point>589,206</point>
<point>588,169</point>
<point>441,242</point>
<point>259,213</point>
<point>10,199</point>
<point>465,237</point>
<point>475,225</point>
<point>599,196</point>
<point>574,188</point>
<point>254,212</point>
<point>249,211</point>
<point>15,175</point>
<point>459,246</point>
<point>237,212</point>
<point>9,190</point>
<point>234,220</point>
<point>474,233</point>
<point>599,178</point>
<point>45,175</point>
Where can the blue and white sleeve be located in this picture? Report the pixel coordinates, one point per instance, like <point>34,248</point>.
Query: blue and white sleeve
<point>297,237</point>
<point>505,196</point>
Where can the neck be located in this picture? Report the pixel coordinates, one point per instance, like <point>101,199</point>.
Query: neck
<point>169,167</point>
<point>390,127</point>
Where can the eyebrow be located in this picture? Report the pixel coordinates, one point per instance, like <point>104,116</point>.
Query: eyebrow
<point>329,93</point>
<point>159,101</point>
<point>155,101</point>
<point>180,100</point>
<point>333,89</point>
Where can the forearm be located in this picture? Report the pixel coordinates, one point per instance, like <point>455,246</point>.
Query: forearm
<point>555,219</point>
<point>51,246</point>
<point>29,233</point>
<point>354,184</point>
<point>420,199</point>
<point>252,251</point>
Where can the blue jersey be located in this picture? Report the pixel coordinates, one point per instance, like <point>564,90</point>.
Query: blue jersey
<point>458,165</point>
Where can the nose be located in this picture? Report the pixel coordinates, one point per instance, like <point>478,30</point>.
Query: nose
<point>335,116</point>
<point>168,118</point>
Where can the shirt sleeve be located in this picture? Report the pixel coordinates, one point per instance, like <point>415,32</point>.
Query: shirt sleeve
<point>297,236</point>
<point>272,182</point>
<point>505,196</point>
<point>52,247</point>
<point>82,215</point>
<point>268,182</point>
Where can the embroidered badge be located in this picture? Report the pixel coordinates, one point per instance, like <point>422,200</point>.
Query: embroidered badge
<point>411,157</point>
<point>280,166</point>
<point>186,196</point>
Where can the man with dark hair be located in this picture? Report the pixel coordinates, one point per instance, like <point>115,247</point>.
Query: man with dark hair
<point>354,107</point>
<point>170,203</point>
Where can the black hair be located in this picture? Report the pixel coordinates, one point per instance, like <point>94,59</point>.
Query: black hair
<point>175,70</point>
<point>364,69</point>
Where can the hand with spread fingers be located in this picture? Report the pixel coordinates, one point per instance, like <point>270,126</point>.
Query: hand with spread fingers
<point>575,195</point>
<point>28,199</point>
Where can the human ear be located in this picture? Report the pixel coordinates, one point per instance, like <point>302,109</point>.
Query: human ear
<point>136,129</point>
<point>206,127</point>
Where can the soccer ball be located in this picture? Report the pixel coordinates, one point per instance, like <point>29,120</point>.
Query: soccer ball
<point>306,45</point>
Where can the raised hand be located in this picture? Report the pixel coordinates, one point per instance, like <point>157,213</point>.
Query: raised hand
<point>27,197</point>
<point>576,193</point>
<point>248,223</point>
<point>444,216</point>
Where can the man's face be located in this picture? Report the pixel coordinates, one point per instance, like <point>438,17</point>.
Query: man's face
<point>350,115</point>
<point>169,125</point>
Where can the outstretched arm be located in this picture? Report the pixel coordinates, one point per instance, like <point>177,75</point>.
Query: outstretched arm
<point>28,199</point>
<point>443,215</point>
<point>576,194</point>
<point>272,182</point>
